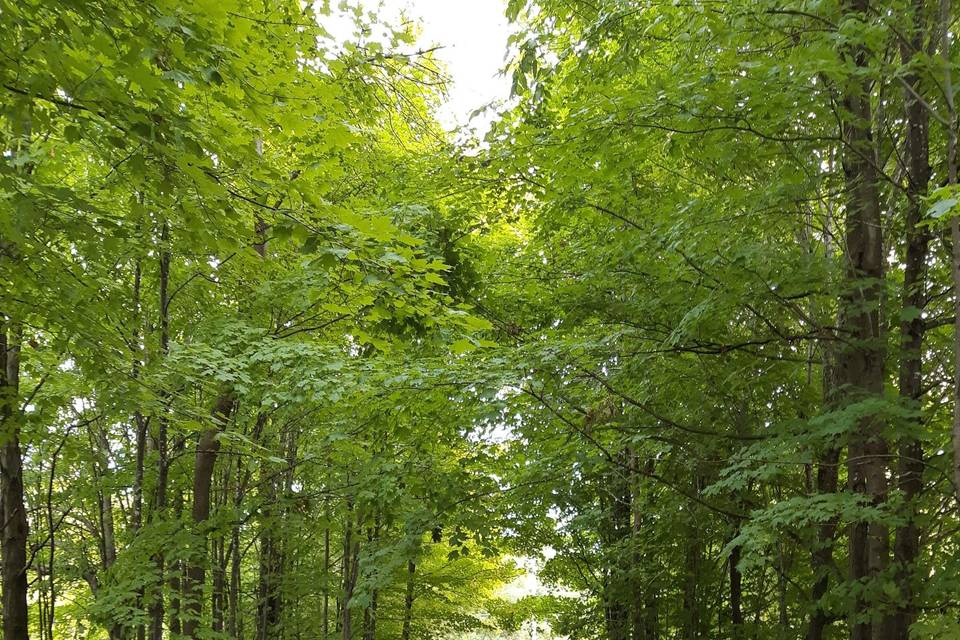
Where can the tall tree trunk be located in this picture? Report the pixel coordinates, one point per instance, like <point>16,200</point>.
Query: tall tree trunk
<point>219,584</point>
<point>350,563</point>
<point>326,573</point>
<point>14,547</point>
<point>175,570</point>
<point>195,575</point>
<point>268,588</point>
<point>861,359</point>
<point>370,613</point>
<point>783,613</point>
<point>234,629</point>
<point>693,556</point>
<point>49,617</point>
<point>644,605</point>
<point>140,424</point>
<point>827,468</point>
<point>108,544</point>
<point>13,550</point>
<point>821,558</point>
<point>691,585</point>
<point>910,467</point>
<point>163,463</point>
<point>615,533</point>
<point>944,28</point>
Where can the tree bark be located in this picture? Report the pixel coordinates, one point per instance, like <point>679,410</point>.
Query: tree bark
<point>644,603</point>
<point>693,556</point>
<point>326,574</point>
<point>350,564</point>
<point>821,558</point>
<point>910,465</point>
<point>370,613</point>
<point>861,359</point>
<point>268,587</point>
<point>160,497</point>
<point>944,29</point>
<point>13,550</point>
<point>140,424</point>
<point>615,531</point>
<point>14,547</point>
<point>195,575</point>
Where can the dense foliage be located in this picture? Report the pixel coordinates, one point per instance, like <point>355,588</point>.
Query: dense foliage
<point>282,360</point>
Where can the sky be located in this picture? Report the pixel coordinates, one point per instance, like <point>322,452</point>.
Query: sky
<point>473,36</point>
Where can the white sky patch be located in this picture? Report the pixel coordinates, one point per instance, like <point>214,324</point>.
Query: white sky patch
<point>473,36</point>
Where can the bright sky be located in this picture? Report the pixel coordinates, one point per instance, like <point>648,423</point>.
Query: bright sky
<point>473,34</point>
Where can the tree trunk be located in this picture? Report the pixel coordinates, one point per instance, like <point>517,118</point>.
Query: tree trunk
<point>234,629</point>
<point>219,584</point>
<point>910,468</point>
<point>108,544</point>
<point>644,603</point>
<point>861,359</point>
<point>615,532</point>
<point>736,592</point>
<point>175,571</point>
<point>944,28</point>
<point>370,613</point>
<point>326,574</point>
<point>350,563</point>
<point>268,588</point>
<point>408,600</point>
<point>13,550</point>
<point>693,556</point>
<point>195,575</point>
<point>160,498</point>
<point>14,547</point>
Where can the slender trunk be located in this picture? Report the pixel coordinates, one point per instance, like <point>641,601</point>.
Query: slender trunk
<point>827,475</point>
<point>140,423</point>
<point>910,468</point>
<point>195,575</point>
<point>736,592</point>
<point>408,600</point>
<point>944,28</point>
<point>160,498</point>
<point>219,584</point>
<point>350,564</point>
<point>370,613</point>
<point>14,547</point>
<point>108,544</point>
<point>268,588</point>
<point>268,591</point>
<point>49,616</point>
<point>644,589</point>
<point>693,555</point>
<point>326,574</point>
<point>783,614</point>
<point>615,532</point>
<point>13,550</point>
<point>821,558</point>
<point>175,570</point>
<point>234,592</point>
<point>233,623</point>
<point>691,583</point>
<point>219,555</point>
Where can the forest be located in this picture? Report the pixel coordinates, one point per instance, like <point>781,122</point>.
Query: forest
<point>670,352</point>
